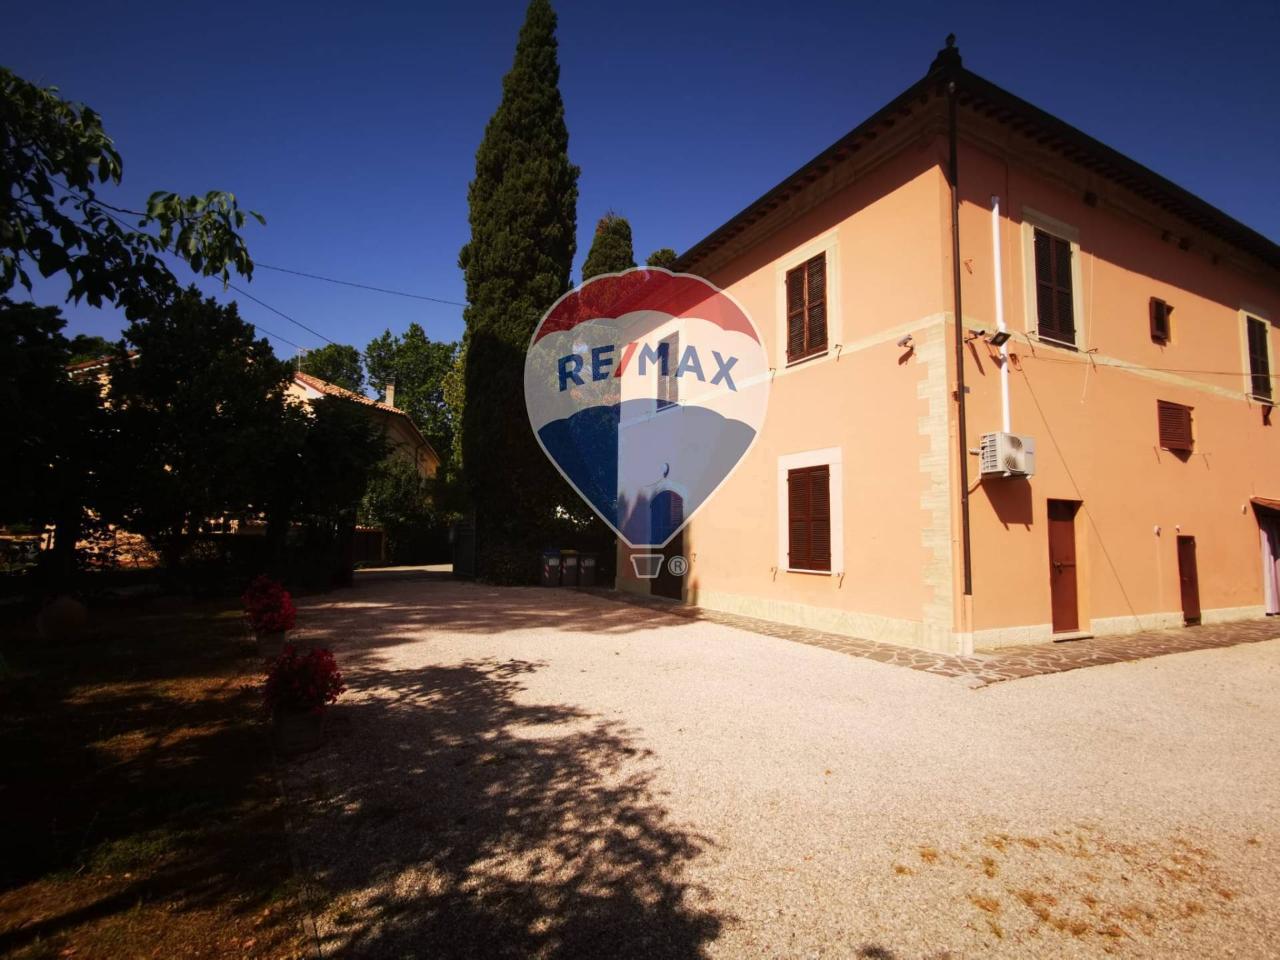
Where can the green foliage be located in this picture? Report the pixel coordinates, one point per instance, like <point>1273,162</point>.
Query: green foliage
<point>340,452</point>
<point>400,501</point>
<point>663,257</point>
<point>454,389</point>
<point>336,363</point>
<point>53,155</point>
<point>197,415</point>
<point>85,347</point>
<point>611,250</point>
<point>418,366</point>
<point>52,428</point>
<point>523,215</point>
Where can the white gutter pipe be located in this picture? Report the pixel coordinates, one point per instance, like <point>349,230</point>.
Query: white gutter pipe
<point>1004,347</point>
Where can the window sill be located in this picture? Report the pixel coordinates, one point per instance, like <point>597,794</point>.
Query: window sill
<point>817,573</point>
<point>1265,401</point>
<point>807,357</point>
<point>1051,342</point>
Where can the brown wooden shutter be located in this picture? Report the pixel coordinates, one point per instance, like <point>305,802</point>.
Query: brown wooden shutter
<point>1259,358</point>
<point>1174,422</point>
<point>807,309</point>
<point>1160,320</point>
<point>795,313</point>
<point>809,518</point>
<point>798,553</point>
<point>1055,308</point>
<point>815,339</point>
<point>820,518</point>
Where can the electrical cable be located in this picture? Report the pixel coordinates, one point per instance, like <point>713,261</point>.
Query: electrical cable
<point>362,286</point>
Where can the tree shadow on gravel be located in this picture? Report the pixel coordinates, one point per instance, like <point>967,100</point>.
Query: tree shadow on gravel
<point>447,818</point>
<point>389,612</point>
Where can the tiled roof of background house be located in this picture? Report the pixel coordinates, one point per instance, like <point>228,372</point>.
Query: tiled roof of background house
<point>333,390</point>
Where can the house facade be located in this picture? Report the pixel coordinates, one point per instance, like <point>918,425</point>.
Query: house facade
<point>1138,366</point>
<point>403,436</point>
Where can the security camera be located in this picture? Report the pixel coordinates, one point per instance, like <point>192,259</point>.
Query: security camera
<point>905,341</point>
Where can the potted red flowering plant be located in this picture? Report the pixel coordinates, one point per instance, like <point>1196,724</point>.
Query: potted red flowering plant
<point>271,612</point>
<point>298,688</point>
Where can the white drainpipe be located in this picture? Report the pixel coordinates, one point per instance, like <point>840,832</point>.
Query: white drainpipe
<point>1004,347</point>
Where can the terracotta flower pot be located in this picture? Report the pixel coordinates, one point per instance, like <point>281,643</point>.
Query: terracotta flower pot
<point>297,733</point>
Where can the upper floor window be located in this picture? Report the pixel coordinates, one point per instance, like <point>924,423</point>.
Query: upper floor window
<point>1160,316</point>
<point>669,386</point>
<point>1055,303</point>
<point>807,309</point>
<point>1174,421</point>
<point>1258,335</point>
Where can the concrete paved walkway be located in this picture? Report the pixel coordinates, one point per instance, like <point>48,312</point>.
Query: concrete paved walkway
<point>525,773</point>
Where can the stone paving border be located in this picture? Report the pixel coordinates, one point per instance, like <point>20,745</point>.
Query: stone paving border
<point>984,669</point>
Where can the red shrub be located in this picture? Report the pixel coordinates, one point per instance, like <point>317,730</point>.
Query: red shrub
<point>269,606</point>
<point>302,683</point>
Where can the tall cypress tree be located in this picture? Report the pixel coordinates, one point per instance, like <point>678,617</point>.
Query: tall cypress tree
<point>523,216</point>
<point>610,249</point>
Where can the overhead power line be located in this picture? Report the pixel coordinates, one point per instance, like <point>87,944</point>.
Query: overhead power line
<point>280,313</point>
<point>362,286</point>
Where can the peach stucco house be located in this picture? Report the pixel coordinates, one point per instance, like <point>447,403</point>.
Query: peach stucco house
<point>404,439</point>
<point>1139,366</point>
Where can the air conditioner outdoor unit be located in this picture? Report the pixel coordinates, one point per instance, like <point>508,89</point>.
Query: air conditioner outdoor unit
<point>1007,455</point>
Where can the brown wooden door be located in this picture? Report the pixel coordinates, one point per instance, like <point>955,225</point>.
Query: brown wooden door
<point>1063,588</point>
<point>1189,579</point>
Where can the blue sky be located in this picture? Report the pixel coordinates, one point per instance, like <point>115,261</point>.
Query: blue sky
<point>353,128</point>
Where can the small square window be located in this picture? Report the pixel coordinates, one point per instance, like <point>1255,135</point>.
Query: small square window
<point>1174,422</point>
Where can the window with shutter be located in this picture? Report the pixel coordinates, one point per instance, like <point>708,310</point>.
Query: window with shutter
<point>807,309</point>
<point>1174,422</point>
<point>809,518</point>
<point>1055,304</point>
<point>1160,320</point>
<point>669,386</point>
<point>1259,358</point>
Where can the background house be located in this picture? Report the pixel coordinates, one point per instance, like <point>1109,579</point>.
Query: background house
<point>402,433</point>
<point>1139,365</point>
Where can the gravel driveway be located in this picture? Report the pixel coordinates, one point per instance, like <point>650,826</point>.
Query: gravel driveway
<point>520,773</point>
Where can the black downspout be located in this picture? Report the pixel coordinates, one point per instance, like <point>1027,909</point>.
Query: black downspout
<point>954,176</point>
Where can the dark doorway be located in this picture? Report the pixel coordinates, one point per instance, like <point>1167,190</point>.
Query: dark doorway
<point>1269,528</point>
<point>666,513</point>
<point>1189,579</point>
<point>1063,587</point>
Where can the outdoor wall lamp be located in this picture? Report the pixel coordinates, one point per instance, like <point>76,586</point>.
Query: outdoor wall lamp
<point>999,338</point>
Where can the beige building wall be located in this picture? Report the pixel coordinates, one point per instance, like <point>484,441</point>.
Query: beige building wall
<point>1092,410</point>
<point>885,418</point>
<point>876,412</point>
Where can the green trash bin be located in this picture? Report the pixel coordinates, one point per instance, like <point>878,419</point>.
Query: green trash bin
<point>568,568</point>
